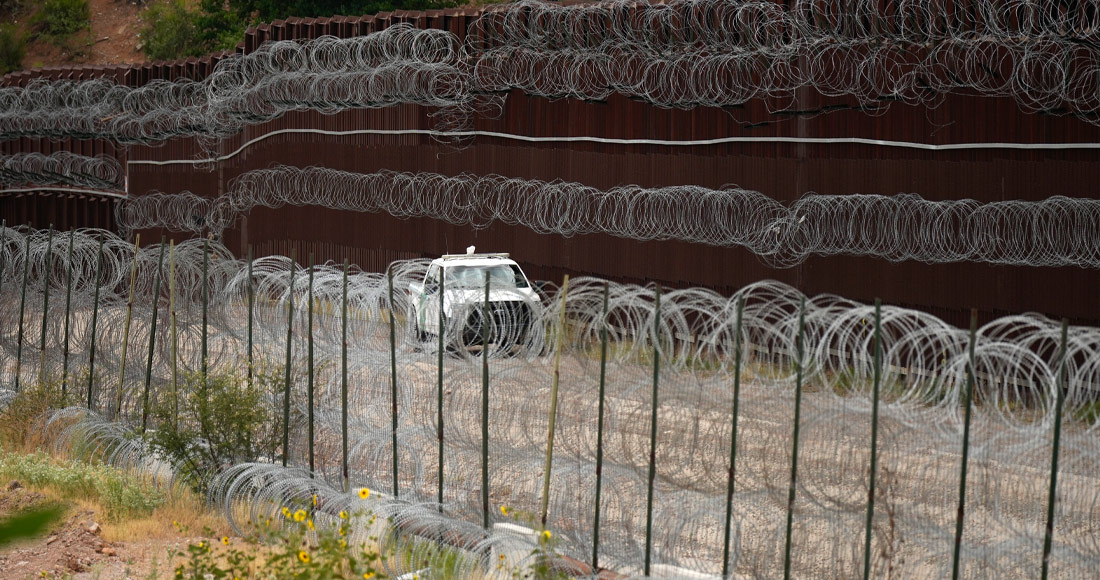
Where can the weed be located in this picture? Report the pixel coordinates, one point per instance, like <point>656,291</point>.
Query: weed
<point>295,547</point>
<point>20,427</point>
<point>122,494</point>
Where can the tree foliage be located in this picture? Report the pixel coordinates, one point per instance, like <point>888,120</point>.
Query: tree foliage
<point>175,30</point>
<point>13,46</point>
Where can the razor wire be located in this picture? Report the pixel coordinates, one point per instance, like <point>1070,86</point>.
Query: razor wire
<point>400,64</point>
<point>1056,231</point>
<point>680,54</point>
<point>714,53</point>
<point>695,333</point>
<point>61,167</point>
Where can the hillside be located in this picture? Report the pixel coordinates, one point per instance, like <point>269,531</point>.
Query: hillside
<point>113,38</point>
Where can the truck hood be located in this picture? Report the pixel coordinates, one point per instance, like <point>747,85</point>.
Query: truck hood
<point>477,296</point>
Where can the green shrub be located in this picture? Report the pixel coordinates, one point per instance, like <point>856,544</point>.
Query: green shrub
<point>122,494</point>
<point>13,47</point>
<point>170,30</point>
<point>213,424</point>
<point>60,18</point>
<point>173,30</point>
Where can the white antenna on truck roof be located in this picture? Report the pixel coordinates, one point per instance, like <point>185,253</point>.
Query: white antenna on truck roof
<point>469,250</point>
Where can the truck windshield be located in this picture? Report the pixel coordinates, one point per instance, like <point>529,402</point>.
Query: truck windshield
<point>505,276</point>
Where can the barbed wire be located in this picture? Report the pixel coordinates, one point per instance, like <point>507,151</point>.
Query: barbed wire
<point>61,167</point>
<point>681,54</point>
<point>714,53</point>
<point>1017,362</point>
<point>1056,231</point>
<point>400,64</point>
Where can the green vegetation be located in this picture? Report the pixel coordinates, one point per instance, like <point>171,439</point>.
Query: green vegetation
<point>174,30</point>
<point>123,495</point>
<point>13,46</point>
<point>61,18</point>
<point>215,422</point>
<point>295,547</point>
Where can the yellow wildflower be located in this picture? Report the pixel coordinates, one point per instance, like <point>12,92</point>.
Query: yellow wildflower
<point>504,510</point>
<point>286,511</point>
<point>343,543</point>
<point>303,556</point>
<point>300,515</point>
<point>225,540</point>
<point>310,524</point>
<point>368,575</point>
<point>546,534</point>
<point>364,493</point>
<point>314,500</point>
<point>343,515</point>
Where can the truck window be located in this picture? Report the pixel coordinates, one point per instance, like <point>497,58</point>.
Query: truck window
<point>506,276</point>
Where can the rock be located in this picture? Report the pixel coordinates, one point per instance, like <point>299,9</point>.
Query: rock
<point>94,529</point>
<point>107,551</point>
<point>51,539</point>
<point>20,564</point>
<point>14,485</point>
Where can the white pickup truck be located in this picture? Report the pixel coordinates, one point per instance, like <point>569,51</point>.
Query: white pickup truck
<point>514,308</point>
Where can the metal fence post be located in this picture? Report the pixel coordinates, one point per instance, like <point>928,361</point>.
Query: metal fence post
<point>874,440</point>
<point>794,445</point>
<point>175,334</point>
<point>47,274</point>
<point>22,307</point>
<point>969,400</point>
<point>733,436</point>
<point>344,377</point>
<point>309,387</point>
<point>1059,401</point>
<point>68,306</point>
<point>251,307</point>
<point>599,433</point>
<point>554,404</point>
<point>286,375</point>
<point>126,328</point>
<point>95,319</point>
<point>485,407</point>
<point>152,338</point>
<point>205,320</point>
<point>653,426</point>
<point>439,382</point>
<point>393,378</point>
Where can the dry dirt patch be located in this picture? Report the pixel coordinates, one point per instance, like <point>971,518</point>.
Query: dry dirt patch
<point>75,547</point>
<point>113,39</point>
